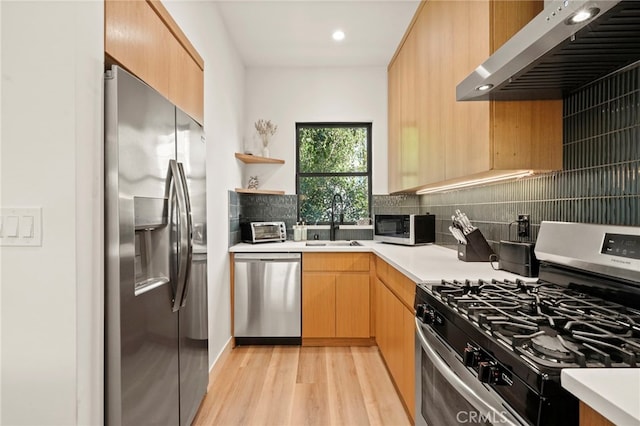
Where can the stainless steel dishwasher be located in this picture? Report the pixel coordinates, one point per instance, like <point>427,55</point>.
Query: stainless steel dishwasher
<point>267,298</point>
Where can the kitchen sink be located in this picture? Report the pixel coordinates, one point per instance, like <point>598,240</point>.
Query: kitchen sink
<point>332,243</point>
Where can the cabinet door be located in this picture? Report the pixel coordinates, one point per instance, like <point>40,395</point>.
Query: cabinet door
<point>395,338</point>
<point>136,37</point>
<point>404,140</point>
<point>430,93</point>
<point>408,382</point>
<point>409,137</point>
<point>464,28</point>
<point>352,305</point>
<point>318,305</point>
<point>381,316</point>
<point>393,150</point>
<point>186,85</point>
<point>389,331</point>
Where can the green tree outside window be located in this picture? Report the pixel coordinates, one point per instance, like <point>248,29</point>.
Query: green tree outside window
<point>333,158</point>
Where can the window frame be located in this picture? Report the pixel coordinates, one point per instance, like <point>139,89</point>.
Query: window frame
<point>366,125</point>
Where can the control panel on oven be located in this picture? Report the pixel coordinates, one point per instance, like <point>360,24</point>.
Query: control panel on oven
<point>488,370</point>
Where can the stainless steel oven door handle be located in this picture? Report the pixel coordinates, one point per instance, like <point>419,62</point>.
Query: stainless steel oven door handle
<point>458,384</point>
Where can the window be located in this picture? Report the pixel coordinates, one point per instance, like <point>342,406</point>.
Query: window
<point>333,158</point>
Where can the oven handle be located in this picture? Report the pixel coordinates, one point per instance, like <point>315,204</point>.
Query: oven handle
<point>455,381</point>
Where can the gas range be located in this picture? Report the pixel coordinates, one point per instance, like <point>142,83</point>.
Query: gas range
<point>552,326</point>
<point>515,337</point>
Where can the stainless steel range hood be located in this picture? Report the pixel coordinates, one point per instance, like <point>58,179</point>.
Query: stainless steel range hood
<point>550,57</point>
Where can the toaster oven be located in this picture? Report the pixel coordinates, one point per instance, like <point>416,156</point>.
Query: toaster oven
<point>263,232</point>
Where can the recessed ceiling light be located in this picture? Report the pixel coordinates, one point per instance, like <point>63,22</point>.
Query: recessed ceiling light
<point>338,35</point>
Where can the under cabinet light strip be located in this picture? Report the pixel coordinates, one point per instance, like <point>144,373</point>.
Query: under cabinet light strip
<point>475,182</point>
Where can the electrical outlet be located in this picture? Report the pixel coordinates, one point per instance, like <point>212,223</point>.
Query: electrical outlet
<point>523,225</point>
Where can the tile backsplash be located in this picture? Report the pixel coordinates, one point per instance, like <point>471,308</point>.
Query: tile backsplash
<point>396,204</point>
<point>249,207</point>
<point>258,208</point>
<point>600,180</point>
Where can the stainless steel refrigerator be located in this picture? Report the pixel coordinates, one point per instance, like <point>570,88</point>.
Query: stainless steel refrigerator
<point>156,341</point>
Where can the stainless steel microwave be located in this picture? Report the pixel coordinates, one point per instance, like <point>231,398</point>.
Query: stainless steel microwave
<point>263,232</point>
<point>406,229</point>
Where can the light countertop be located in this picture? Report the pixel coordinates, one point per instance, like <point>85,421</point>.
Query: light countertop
<point>419,263</point>
<point>612,392</point>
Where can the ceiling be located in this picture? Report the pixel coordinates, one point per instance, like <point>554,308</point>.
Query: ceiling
<point>297,33</point>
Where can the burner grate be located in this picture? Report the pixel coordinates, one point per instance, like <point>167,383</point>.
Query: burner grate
<point>549,324</point>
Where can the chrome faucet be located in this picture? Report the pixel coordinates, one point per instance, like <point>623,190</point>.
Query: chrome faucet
<point>333,226</point>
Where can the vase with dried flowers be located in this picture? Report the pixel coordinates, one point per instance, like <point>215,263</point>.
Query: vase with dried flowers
<point>265,129</point>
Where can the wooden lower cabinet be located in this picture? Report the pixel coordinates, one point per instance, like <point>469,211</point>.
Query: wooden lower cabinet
<point>352,305</point>
<point>395,338</point>
<point>590,417</point>
<point>318,305</point>
<point>335,296</point>
<point>407,383</point>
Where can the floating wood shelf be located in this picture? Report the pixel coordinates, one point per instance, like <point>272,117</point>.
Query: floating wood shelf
<point>254,159</point>
<point>258,191</point>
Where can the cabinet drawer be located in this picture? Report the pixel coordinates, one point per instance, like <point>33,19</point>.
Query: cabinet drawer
<point>335,262</point>
<point>397,282</point>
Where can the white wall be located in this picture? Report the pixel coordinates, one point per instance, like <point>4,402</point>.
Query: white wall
<point>51,128</point>
<point>223,124</point>
<point>289,95</point>
<point>52,61</point>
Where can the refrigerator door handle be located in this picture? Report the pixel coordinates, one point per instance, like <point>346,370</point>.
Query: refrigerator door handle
<point>183,220</point>
<point>187,235</point>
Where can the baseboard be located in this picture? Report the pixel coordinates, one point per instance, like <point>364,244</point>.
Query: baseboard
<point>338,341</point>
<point>215,369</point>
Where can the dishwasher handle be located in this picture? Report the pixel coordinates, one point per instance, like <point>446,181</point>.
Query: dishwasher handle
<point>266,257</point>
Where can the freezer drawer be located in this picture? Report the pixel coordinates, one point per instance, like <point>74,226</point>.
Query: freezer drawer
<point>267,295</point>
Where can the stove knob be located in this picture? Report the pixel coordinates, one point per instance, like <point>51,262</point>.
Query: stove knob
<point>420,310</point>
<point>428,315</point>
<point>471,356</point>
<point>488,372</point>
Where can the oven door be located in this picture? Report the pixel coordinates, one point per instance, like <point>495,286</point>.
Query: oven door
<point>448,393</point>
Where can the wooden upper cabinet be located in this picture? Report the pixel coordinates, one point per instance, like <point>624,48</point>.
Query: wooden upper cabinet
<point>137,39</point>
<point>457,141</point>
<point>393,153</point>
<point>409,137</point>
<point>141,36</point>
<point>428,85</point>
<point>186,82</point>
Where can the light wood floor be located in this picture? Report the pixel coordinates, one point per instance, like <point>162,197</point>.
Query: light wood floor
<point>291,385</point>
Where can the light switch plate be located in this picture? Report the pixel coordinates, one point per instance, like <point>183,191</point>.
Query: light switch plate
<point>27,232</point>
